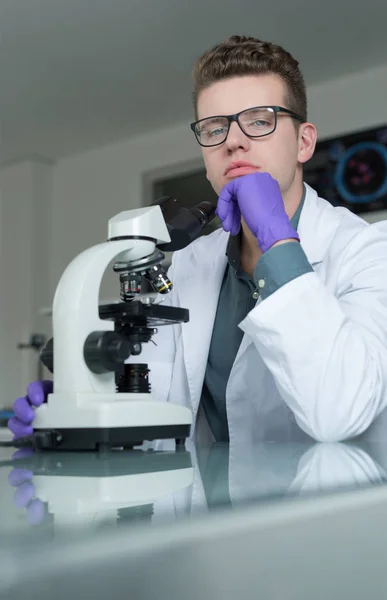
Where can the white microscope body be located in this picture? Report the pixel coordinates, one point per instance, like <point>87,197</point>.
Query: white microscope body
<point>85,406</point>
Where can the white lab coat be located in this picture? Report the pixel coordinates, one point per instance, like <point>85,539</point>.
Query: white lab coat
<point>313,358</point>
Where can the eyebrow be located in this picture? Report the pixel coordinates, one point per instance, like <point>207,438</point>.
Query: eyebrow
<point>214,118</point>
<point>252,108</point>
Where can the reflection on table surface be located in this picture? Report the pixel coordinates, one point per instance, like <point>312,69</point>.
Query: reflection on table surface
<point>49,494</point>
<point>154,521</point>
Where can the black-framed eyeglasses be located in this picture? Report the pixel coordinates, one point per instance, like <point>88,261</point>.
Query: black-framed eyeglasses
<point>254,122</point>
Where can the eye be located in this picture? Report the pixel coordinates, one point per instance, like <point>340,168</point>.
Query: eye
<point>259,123</point>
<point>216,132</point>
<point>212,128</point>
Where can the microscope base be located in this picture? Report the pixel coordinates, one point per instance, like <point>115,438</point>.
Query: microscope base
<point>104,439</point>
<point>96,421</point>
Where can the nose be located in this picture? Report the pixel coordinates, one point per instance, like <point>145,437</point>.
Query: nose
<point>236,139</point>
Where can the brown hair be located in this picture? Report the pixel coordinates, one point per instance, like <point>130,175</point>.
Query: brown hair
<point>243,55</point>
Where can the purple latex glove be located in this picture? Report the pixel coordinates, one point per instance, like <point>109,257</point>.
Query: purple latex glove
<point>257,198</point>
<point>37,393</point>
<point>21,479</point>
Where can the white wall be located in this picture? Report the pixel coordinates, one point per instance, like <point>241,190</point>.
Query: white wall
<point>25,243</point>
<point>354,102</point>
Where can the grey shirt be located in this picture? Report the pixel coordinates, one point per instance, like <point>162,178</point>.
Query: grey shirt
<point>238,296</point>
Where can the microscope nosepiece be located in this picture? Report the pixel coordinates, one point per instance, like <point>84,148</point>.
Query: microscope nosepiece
<point>130,285</point>
<point>159,279</point>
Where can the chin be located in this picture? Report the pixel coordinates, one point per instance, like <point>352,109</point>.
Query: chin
<point>217,187</point>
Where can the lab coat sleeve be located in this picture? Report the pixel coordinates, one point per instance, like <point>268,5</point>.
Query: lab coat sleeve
<point>159,353</point>
<point>326,343</point>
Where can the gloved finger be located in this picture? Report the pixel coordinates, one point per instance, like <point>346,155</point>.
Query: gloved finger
<point>18,476</point>
<point>23,453</point>
<point>226,202</point>
<point>232,222</point>
<point>38,391</point>
<point>36,512</point>
<point>236,221</point>
<point>18,428</point>
<point>23,410</point>
<point>228,221</point>
<point>24,494</point>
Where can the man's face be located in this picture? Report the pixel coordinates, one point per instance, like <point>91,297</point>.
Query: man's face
<point>278,153</point>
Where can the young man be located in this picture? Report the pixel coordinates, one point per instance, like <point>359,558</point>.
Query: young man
<point>288,301</point>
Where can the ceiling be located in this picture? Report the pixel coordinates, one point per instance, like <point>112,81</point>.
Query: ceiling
<point>76,74</point>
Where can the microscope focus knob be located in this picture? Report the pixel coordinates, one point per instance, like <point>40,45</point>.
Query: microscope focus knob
<point>104,351</point>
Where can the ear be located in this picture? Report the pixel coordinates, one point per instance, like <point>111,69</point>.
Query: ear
<point>307,138</point>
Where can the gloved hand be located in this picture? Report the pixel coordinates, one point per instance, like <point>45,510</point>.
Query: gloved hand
<point>21,479</point>
<point>257,198</point>
<point>37,393</point>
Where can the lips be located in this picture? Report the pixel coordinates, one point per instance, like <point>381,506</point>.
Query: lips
<point>239,168</point>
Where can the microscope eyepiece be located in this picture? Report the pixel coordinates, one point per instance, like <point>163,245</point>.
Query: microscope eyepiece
<point>184,224</point>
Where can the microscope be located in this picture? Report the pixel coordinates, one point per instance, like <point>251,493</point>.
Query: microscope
<point>100,401</point>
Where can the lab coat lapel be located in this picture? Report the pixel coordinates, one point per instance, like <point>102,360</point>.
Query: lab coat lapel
<point>203,278</point>
<point>246,341</point>
<point>317,226</point>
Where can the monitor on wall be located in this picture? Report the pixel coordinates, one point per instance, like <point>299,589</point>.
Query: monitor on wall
<point>351,170</point>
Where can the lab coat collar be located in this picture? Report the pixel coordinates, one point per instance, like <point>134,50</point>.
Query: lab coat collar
<point>318,223</point>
